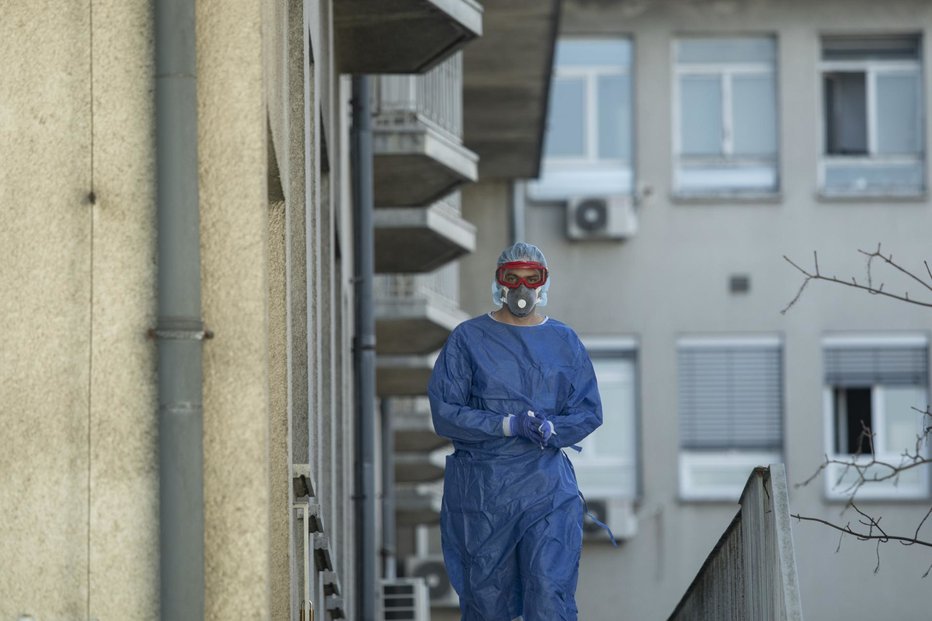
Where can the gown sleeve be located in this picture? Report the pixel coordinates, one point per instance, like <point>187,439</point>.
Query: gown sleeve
<point>449,393</point>
<point>582,413</point>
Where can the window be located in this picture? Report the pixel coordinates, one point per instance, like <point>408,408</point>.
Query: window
<point>872,115</point>
<point>730,412</point>
<point>725,116</point>
<point>588,142</point>
<point>874,384</point>
<point>607,465</point>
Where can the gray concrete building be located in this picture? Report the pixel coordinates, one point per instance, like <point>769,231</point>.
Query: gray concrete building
<point>690,146</point>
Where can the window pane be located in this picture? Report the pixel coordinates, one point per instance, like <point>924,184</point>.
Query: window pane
<point>701,115</point>
<point>898,113</point>
<point>755,115</point>
<point>740,50</point>
<point>616,437</point>
<point>845,113</point>
<point>589,52</point>
<point>870,48</point>
<point>901,422</point>
<point>614,117</point>
<point>904,179</point>
<point>566,125</point>
<point>852,414</point>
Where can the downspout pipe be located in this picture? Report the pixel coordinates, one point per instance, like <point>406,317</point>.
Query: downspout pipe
<point>389,553</point>
<point>364,351</point>
<point>180,331</point>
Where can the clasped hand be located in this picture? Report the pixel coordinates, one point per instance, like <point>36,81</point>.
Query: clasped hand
<point>534,427</point>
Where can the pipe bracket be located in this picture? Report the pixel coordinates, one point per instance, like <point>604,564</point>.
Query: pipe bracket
<point>190,335</point>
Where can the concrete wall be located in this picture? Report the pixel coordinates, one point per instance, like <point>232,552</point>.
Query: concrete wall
<point>672,279</point>
<point>78,403</point>
<point>78,490</point>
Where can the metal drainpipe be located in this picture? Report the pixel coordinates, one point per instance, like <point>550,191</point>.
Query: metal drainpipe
<point>364,352</point>
<point>388,489</point>
<point>179,331</point>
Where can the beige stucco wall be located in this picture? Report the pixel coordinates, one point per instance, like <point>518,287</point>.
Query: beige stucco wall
<point>78,469</point>
<point>78,486</point>
<point>232,135</point>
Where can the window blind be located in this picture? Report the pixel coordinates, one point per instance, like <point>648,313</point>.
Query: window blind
<point>730,397</point>
<point>868,366</point>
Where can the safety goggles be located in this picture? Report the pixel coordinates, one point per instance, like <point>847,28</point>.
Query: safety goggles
<point>507,278</point>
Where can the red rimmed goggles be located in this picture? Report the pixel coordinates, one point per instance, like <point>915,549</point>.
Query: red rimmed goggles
<point>507,278</point>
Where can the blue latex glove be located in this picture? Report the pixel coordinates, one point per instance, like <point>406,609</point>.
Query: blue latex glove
<point>535,428</point>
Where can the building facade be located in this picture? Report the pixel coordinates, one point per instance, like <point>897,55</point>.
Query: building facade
<point>277,240</point>
<point>690,147</point>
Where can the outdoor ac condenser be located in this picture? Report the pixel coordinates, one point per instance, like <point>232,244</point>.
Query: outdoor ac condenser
<point>434,572</point>
<point>405,599</point>
<point>616,513</point>
<point>601,217</point>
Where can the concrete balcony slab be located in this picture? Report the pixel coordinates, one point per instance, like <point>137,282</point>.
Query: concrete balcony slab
<point>506,84</point>
<point>414,327</point>
<point>401,36</point>
<point>414,314</point>
<point>403,375</point>
<point>417,239</point>
<point>421,467</point>
<point>414,429</point>
<point>417,503</point>
<point>417,163</point>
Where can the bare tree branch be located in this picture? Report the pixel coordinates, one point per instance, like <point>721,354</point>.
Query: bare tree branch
<point>816,274</point>
<point>864,468</point>
<point>862,536</point>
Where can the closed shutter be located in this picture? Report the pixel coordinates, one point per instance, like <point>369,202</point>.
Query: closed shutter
<point>869,366</point>
<point>730,397</point>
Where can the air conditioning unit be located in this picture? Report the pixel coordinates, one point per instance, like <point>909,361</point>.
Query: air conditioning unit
<point>405,599</point>
<point>434,572</point>
<point>616,513</point>
<point>601,217</point>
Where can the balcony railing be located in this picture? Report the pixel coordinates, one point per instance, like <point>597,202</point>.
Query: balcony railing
<point>751,571</point>
<point>434,98</point>
<point>440,288</point>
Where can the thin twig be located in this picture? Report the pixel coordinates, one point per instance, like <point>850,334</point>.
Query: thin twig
<point>870,288</point>
<point>863,536</point>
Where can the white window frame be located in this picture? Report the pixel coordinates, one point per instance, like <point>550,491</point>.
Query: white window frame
<point>552,185</point>
<point>726,72</point>
<point>588,462</point>
<point>692,462</point>
<point>889,490</point>
<point>871,68</point>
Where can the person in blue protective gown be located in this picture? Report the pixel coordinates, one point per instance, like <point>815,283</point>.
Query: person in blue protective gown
<point>511,389</point>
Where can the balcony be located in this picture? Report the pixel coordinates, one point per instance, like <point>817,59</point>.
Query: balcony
<point>506,86</point>
<point>417,132</point>
<point>418,239</point>
<point>401,36</point>
<point>418,503</point>
<point>397,376</point>
<point>420,467</point>
<point>414,313</point>
<point>414,430</point>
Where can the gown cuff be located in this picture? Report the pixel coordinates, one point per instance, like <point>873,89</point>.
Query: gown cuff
<point>506,424</point>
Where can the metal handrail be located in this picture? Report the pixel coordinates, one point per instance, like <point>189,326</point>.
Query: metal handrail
<point>435,98</point>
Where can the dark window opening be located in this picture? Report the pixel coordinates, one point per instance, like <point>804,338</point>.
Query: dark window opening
<point>852,414</point>
<point>846,113</point>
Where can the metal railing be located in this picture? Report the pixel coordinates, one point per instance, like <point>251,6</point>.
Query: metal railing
<point>751,571</point>
<point>451,204</point>
<point>435,98</point>
<point>440,287</point>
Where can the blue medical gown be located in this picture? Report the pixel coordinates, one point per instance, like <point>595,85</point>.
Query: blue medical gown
<point>511,519</point>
